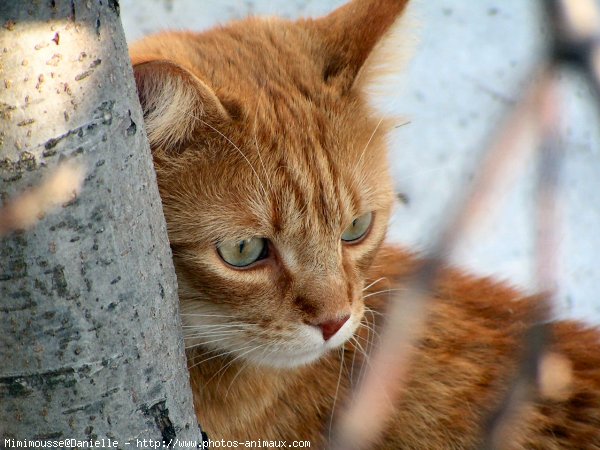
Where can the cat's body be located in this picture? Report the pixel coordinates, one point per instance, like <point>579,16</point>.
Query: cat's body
<point>273,174</point>
<point>462,370</point>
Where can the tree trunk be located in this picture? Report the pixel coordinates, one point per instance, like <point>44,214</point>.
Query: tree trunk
<point>90,340</point>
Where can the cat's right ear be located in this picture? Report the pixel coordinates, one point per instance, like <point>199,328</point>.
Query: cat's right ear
<point>361,41</point>
<point>175,102</point>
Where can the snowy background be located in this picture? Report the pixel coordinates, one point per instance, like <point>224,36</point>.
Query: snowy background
<point>471,61</point>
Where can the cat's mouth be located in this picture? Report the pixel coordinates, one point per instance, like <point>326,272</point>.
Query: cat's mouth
<point>297,346</point>
<point>307,346</point>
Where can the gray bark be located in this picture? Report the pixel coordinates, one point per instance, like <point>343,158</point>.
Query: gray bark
<point>90,339</point>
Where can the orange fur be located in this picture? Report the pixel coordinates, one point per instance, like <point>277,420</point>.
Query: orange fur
<point>261,128</point>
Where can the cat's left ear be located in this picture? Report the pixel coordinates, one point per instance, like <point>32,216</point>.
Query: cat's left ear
<point>360,41</point>
<point>175,102</point>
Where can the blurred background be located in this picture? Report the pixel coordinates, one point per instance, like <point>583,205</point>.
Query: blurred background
<point>471,60</point>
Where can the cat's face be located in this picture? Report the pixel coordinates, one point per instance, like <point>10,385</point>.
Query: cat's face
<point>276,196</point>
<point>272,239</point>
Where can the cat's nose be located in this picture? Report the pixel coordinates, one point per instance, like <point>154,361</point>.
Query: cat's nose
<point>331,327</point>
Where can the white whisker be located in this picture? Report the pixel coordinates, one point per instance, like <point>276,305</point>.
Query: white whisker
<point>385,291</point>
<point>256,141</point>
<point>218,356</point>
<point>373,283</point>
<point>244,365</point>
<point>204,315</point>
<point>241,153</point>
<point>337,388</point>
<point>219,325</point>
<point>190,333</point>
<point>224,368</point>
<point>373,312</point>
<point>368,142</point>
<point>207,342</point>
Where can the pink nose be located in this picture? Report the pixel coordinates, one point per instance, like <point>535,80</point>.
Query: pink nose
<point>331,327</point>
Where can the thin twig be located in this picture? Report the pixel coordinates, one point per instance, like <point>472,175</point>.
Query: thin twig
<point>522,388</point>
<point>576,32</point>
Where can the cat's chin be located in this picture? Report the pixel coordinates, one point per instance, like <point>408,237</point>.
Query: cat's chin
<point>298,358</point>
<point>292,360</point>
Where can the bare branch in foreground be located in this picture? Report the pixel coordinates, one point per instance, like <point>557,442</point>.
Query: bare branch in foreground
<point>22,212</point>
<point>540,371</point>
<point>372,404</point>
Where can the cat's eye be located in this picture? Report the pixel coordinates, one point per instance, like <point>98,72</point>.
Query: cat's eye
<point>243,253</point>
<point>358,228</point>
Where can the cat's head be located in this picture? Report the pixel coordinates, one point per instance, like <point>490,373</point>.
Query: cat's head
<point>273,174</point>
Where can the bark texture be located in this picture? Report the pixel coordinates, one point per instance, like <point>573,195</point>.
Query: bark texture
<point>90,341</point>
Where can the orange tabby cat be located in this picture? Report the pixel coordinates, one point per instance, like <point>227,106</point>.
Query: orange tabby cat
<point>273,174</point>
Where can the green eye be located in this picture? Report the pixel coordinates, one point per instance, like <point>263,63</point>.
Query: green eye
<point>243,253</point>
<point>358,228</point>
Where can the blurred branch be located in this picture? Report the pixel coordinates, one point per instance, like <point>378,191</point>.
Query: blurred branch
<point>535,369</point>
<point>522,389</point>
<point>576,33</point>
<point>391,361</point>
<point>26,209</point>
